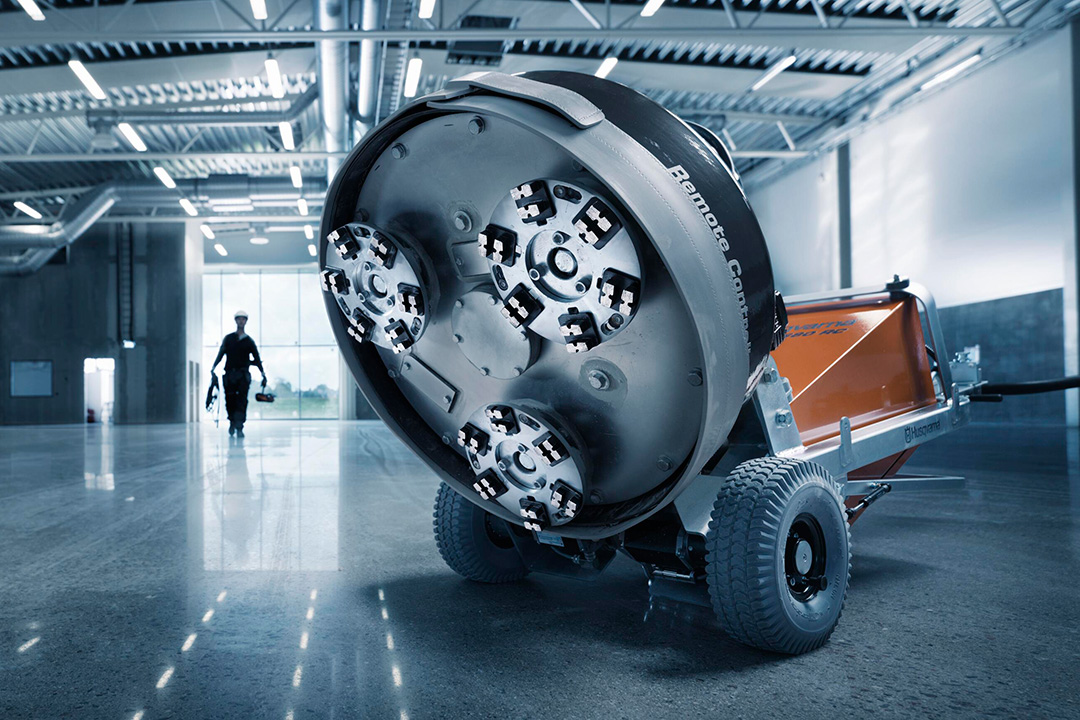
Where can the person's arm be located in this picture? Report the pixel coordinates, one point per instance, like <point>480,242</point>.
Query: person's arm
<point>220,354</point>
<point>257,359</point>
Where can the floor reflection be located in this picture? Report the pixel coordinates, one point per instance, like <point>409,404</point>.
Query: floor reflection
<point>270,503</point>
<point>294,575</point>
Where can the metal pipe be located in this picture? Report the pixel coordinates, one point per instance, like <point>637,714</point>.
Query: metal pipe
<point>218,118</point>
<point>333,64</point>
<point>367,79</point>
<point>782,36</point>
<point>80,216</point>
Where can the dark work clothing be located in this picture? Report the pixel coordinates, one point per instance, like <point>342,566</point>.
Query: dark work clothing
<point>236,385</point>
<point>238,353</point>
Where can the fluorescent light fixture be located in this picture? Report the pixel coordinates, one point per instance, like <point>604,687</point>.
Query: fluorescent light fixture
<point>312,250</point>
<point>232,208</point>
<point>412,77</point>
<point>729,140</point>
<point>23,207</point>
<point>427,9</point>
<point>651,7</point>
<point>273,78</point>
<point>86,78</point>
<point>606,67</point>
<point>220,250</point>
<point>259,240</point>
<point>33,10</point>
<point>301,205</point>
<point>207,231</point>
<point>258,9</point>
<point>777,67</point>
<point>287,141</point>
<point>297,178</point>
<point>165,178</point>
<point>129,344</point>
<point>309,233</point>
<point>132,137</point>
<point>188,207</point>
<point>952,72</point>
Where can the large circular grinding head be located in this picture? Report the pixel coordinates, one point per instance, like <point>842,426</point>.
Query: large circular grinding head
<point>551,289</point>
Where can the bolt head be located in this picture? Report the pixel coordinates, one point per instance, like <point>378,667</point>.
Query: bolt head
<point>458,338</point>
<point>694,378</point>
<point>599,380</point>
<point>664,463</point>
<point>534,273</point>
<point>399,151</point>
<point>517,371</point>
<point>484,371</point>
<point>462,221</point>
<point>447,399</point>
<point>581,287</point>
<point>476,125</point>
<point>560,238</point>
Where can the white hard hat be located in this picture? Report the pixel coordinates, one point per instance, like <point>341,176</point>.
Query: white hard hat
<point>240,313</point>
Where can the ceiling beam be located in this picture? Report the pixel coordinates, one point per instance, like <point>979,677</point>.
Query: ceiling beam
<point>280,157</point>
<point>755,35</point>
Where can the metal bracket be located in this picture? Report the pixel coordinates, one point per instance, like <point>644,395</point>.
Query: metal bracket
<point>772,400</point>
<point>566,103</point>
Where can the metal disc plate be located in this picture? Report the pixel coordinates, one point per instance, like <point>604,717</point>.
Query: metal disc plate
<point>491,344</point>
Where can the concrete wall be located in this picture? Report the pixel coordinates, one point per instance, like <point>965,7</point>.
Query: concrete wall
<point>970,193</point>
<point>68,312</point>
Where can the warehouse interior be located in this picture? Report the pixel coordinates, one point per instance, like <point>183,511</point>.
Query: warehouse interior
<point>164,164</point>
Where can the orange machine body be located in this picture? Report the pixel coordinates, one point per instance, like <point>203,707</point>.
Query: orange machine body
<point>864,359</point>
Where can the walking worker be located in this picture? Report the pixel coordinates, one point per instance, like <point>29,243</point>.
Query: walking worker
<point>240,354</point>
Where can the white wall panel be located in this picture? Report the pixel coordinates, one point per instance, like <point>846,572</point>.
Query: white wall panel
<point>971,191</point>
<point>798,215</point>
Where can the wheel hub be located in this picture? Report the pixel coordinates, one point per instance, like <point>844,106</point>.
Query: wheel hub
<point>804,558</point>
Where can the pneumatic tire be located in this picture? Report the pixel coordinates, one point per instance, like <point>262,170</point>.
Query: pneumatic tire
<point>778,555</point>
<point>474,543</point>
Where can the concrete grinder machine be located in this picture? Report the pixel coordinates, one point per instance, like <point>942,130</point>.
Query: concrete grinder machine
<point>554,291</point>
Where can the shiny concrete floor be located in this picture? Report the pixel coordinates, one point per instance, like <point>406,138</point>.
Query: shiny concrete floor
<point>161,571</point>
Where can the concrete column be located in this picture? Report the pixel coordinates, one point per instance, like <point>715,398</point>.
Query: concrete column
<point>843,220</point>
<point>1072,245</point>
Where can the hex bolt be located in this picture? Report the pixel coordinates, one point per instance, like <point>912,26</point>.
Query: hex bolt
<point>476,125</point>
<point>462,221</point>
<point>664,463</point>
<point>599,380</point>
<point>769,376</point>
<point>783,418</point>
<point>446,439</point>
<point>560,238</point>
<point>581,287</point>
<point>694,378</point>
<point>458,339</point>
<point>399,151</point>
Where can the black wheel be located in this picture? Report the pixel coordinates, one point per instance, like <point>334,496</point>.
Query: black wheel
<point>779,555</point>
<point>475,544</point>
